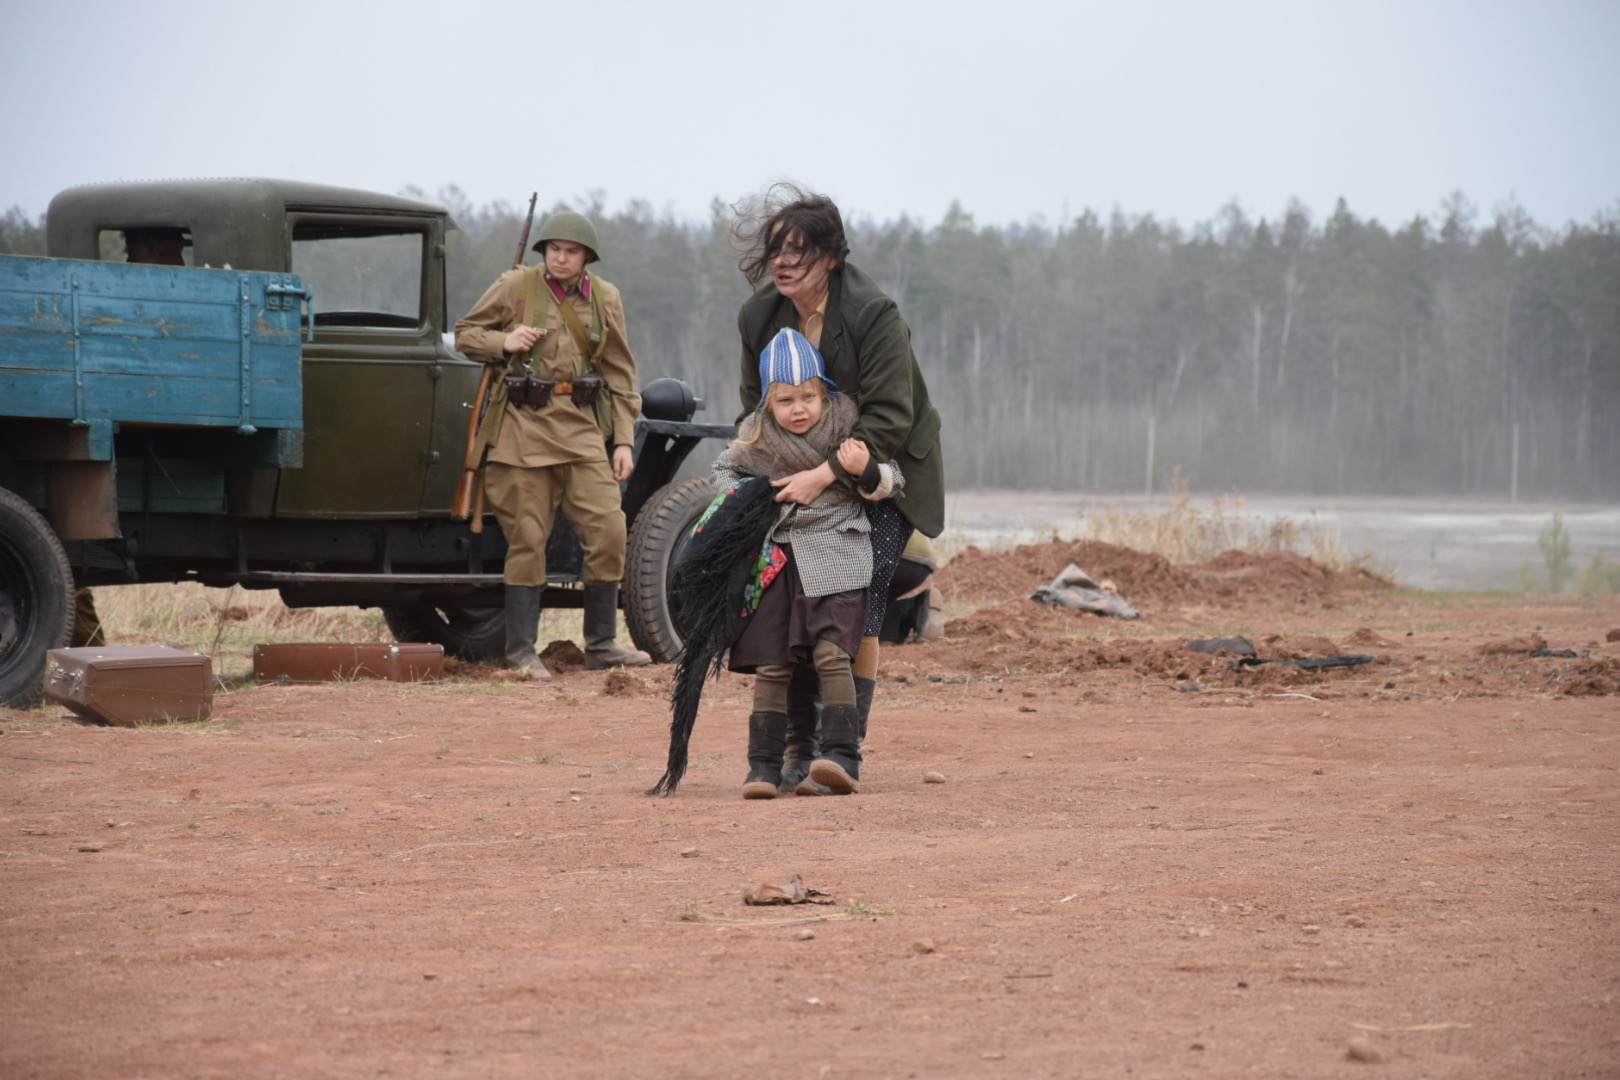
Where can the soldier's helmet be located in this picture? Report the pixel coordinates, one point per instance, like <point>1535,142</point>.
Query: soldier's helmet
<point>569,225</point>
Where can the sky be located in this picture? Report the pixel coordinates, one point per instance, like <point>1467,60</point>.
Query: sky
<point>1020,110</point>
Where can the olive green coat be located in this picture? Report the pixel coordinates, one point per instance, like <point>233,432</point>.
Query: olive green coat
<point>867,348</point>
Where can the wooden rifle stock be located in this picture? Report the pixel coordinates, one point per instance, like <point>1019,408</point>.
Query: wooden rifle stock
<point>462,506</point>
<point>469,500</point>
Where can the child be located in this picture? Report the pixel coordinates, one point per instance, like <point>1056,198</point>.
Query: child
<point>813,610</point>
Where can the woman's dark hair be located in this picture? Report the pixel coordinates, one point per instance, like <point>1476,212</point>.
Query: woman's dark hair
<point>764,223</point>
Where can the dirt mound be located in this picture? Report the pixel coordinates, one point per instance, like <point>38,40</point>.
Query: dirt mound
<point>1148,581</point>
<point>977,575</point>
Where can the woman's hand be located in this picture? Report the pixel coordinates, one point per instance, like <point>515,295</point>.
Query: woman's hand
<point>804,487</point>
<point>522,338</point>
<point>623,463</point>
<point>853,456</point>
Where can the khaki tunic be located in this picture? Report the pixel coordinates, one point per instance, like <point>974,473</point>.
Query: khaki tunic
<point>560,432</point>
<point>556,456</point>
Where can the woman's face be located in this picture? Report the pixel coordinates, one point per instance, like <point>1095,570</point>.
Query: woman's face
<point>797,276</point>
<point>796,408</point>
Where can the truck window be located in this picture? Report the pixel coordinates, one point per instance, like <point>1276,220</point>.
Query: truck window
<point>151,248</point>
<point>363,275</point>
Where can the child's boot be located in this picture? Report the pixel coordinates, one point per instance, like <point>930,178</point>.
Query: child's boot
<point>839,766</point>
<point>803,743</point>
<point>767,737</point>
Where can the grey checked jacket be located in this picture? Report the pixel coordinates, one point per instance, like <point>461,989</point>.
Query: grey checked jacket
<point>831,538</point>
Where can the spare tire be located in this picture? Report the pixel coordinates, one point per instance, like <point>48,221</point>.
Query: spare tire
<point>662,530</point>
<point>36,600</point>
<point>473,634</point>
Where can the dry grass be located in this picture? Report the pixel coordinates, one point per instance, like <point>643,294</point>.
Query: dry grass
<point>1185,533</point>
<point>1189,533</point>
<point>226,623</point>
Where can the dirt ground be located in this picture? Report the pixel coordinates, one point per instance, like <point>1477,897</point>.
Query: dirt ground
<point>1140,862</point>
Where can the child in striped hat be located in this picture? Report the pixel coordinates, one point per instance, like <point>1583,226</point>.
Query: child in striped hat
<point>811,605</point>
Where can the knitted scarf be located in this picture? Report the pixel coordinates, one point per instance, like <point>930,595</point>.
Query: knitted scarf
<point>778,452</point>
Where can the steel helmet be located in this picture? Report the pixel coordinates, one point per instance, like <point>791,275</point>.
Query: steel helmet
<point>569,225</point>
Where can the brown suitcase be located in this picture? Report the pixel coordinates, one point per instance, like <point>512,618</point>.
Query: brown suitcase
<point>131,684</point>
<point>327,661</point>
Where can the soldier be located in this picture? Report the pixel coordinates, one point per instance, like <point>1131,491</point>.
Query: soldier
<point>560,428</point>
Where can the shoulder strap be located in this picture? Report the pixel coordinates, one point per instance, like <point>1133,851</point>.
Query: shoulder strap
<point>577,329</point>
<point>534,305</point>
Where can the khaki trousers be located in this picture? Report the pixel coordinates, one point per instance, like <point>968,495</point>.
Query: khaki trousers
<point>526,501</point>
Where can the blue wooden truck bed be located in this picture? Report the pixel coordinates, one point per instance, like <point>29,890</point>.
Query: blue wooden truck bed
<point>98,345</point>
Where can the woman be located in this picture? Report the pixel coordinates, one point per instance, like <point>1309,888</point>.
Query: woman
<point>795,255</point>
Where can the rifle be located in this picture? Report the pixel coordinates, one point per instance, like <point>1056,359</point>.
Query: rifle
<point>469,500</point>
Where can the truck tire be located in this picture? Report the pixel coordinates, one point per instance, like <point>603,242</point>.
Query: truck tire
<point>661,531</point>
<point>473,634</point>
<point>36,600</point>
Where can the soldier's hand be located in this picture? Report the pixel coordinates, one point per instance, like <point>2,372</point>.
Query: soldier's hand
<point>521,338</point>
<point>623,463</point>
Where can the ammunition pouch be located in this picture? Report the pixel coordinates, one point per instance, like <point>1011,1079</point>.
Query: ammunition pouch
<point>585,390</point>
<point>533,393</point>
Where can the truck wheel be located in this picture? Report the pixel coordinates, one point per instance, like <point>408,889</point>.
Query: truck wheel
<point>36,600</point>
<point>471,634</point>
<point>662,529</point>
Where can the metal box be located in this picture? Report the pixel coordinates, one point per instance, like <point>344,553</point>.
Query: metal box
<point>129,685</point>
<point>324,661</point>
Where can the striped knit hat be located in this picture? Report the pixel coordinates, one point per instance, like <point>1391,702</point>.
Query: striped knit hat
<point>791,359</point>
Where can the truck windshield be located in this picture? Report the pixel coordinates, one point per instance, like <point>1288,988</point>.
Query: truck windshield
<point>363,275</point>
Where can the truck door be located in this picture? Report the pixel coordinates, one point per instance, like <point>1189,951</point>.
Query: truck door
<point>369,374</point>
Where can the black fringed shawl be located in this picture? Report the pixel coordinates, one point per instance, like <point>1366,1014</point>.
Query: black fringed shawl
<point>714,588</point>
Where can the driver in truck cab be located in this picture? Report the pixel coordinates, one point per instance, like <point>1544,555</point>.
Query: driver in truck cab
<point>560,428</point>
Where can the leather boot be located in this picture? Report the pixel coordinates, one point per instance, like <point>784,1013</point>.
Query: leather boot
<point>767,734</point>
<point>803,741</point>
<point>602,628</point>
<point>522,624</point>
<point>839,766</point>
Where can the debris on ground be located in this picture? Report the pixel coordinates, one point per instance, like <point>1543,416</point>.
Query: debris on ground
<point>1077,590</point>
<point>1310,663</point>
<point>1529,643</point>
<point>620,683</point>
<point>794,892</point>
<point>561,657</point>
<point>1237,646</point>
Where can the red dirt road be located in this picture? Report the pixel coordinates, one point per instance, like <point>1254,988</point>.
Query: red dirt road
<point>1121,875</point>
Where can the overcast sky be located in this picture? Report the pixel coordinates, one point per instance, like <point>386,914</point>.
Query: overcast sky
<point>1019,109</point>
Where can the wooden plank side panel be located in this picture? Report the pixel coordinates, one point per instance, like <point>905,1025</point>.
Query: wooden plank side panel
<point>156,344</point>
<point>183,320</point>
<point>34,311</point>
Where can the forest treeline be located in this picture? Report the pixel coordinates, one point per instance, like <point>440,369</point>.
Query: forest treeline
<point>1451,355</point>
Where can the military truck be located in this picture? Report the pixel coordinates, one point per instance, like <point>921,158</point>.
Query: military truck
<point>284,412</point>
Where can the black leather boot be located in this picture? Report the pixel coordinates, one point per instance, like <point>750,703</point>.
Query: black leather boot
<point>602,649</point>
<point>522,624</point>
<point>767,734</point>
<point>839,766</point>
<point>803,739</point>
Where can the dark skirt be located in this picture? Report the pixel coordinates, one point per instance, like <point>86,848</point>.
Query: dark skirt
<point>788,623</point>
